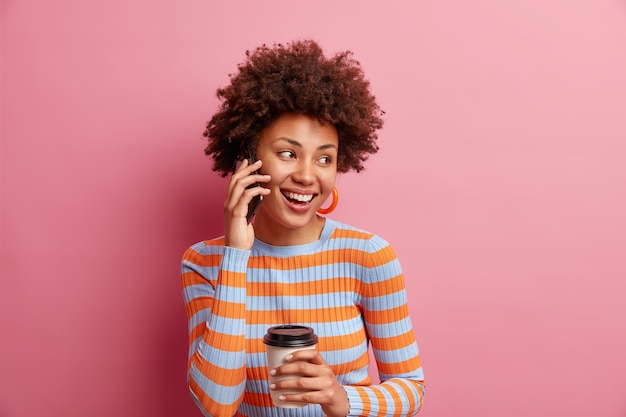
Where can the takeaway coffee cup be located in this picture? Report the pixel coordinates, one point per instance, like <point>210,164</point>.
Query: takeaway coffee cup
<point>280,341</point>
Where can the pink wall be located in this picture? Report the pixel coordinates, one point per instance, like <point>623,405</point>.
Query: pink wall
<point>501,183</point>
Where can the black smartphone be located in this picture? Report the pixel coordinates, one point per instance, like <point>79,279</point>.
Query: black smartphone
<point>257,199</point>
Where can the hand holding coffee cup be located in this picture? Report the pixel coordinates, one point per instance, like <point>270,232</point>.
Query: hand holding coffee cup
<point>281,341</point>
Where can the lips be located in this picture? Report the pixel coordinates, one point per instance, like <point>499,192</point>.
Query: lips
<point>297,198</point>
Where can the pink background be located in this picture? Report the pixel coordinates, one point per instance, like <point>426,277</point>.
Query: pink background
<point>501,183</point>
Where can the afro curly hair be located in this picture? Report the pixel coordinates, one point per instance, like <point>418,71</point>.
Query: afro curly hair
<point>295,78</point>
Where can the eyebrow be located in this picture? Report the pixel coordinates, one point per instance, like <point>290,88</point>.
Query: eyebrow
<point>299,145</point>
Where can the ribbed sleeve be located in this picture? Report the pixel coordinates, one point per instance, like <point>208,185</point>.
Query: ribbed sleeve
<point>216,310</point>
<point>348,286</point>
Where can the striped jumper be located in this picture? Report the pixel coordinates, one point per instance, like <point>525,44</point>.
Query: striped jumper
<point>348,286</point>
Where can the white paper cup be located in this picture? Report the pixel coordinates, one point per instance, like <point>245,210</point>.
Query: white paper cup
<point>280,341</point>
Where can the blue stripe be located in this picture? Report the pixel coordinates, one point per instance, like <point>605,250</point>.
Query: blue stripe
<point>392,356</point>
<point>309,274</point>
<point>390,329</point>
<point>198,318</point>
<point>386,271</point>
<point>205,271</point>
<point>386,301</point>
<point>261,386</point>
<point>343,356</point>
<point>198,290</point>
<point>219,394</point>
<point>222,358</point>
<point>294,303</point>
<point>233,294</point>
<point>322,329</point>
<point>202,248</point>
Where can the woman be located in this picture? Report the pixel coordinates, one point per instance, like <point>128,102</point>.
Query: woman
<point>305,117</point>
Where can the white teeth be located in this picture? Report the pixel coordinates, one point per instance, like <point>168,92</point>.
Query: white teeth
<point>303,198</point>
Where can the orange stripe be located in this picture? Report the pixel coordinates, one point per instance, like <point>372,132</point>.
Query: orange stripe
<point>227,309</point>
<point>196,332</point>
<point>257,373</point>
<point>393,343</point>
<point>255,346</point>
<point>197,304</point>
<point>232,279</point>
<point>219,241</point>
<point>382,256</point>
<point>225,342</point>
<point>388,286</point>
<point>351,234</point>
<point>257,399</point>
<point>202,260</point>
<point>229,278</point>
<point>193,278</point>
<point>400,367</point>
<point>387,316</point>
<point>349,341</point>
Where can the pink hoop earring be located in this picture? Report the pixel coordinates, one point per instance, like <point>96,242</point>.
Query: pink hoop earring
<point>333,204</point>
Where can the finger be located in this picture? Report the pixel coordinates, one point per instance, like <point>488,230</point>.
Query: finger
<point>246,188</point>
<point>306,396</point>
<point>308,355</point>
<point>304,369</point>
<point>242,173</point>
<point>307,383</point>
<point>241,186</point>
<point>247,168</point>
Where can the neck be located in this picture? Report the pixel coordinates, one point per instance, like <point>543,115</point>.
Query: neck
<point>276,234</point>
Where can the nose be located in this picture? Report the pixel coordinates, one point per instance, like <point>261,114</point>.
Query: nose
<point>304,173</point>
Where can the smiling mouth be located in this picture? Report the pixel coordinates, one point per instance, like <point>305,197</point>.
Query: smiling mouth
<point>301,199</point>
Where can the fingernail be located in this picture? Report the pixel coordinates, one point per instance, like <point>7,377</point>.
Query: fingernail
<point>272,386</point>
<point>288,357</point>
<point>282,397</point>
<point>273,372</point>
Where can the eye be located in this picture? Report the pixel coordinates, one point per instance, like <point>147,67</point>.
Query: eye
<point>286,154</point>
<point>325,160</point>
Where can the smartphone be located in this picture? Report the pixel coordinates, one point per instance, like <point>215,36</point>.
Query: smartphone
<point>257,199</point>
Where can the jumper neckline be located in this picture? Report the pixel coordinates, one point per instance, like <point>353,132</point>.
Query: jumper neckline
<point>292,250</point>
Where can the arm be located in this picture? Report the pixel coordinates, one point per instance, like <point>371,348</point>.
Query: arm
<point>214,289</point>
<point>214,293</point>
<point>389,328</point>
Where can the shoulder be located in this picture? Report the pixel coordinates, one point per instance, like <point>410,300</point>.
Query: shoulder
<point>357,235</point>
<point>198,252</point>
<point>348,236</point>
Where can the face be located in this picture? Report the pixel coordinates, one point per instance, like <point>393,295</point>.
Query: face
<point>300,155</point>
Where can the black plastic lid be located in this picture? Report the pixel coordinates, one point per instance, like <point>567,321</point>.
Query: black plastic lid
<point>290,336</point>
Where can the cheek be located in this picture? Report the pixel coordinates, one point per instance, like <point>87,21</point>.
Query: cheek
<point>328,182</point>
<point>277,178</point>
